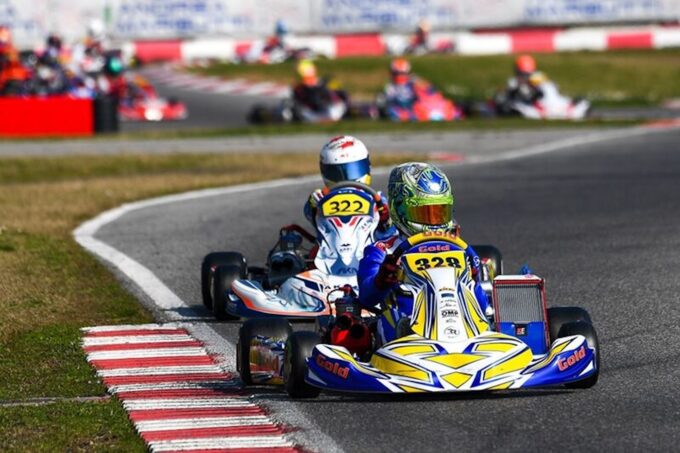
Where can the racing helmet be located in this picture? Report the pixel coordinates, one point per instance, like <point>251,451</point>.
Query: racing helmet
<point>400,69</point>
<point>307,72</point>
<point>420,198</point>
<point>96,30</point>
<point>525,65</point>
<point>113,66</point>
<point>537,78</point>
<point>5,39</point>
<point>344,158</point>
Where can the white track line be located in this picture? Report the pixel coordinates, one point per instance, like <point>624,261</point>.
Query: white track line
<point>122,328</point>
<point>214,443</point>
<point>136,339</point>
<point>202,422</point>
<point>186,403</point>
<point>162,370</point>
<point>146,353</point>
<point>220,384</point>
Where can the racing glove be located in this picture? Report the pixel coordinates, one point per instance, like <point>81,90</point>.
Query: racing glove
<point>384,212</point>
<point>387,274</point>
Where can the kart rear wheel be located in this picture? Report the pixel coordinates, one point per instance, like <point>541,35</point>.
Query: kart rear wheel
<point>275,328</point>
<point>495,258</point>
<point>587,330</point>
<point>212,261</point>
<point>559,316</point>
<point>222,279</point>
<point>298,348</point>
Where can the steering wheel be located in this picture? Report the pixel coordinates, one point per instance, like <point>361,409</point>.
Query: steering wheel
<point>427,236</point>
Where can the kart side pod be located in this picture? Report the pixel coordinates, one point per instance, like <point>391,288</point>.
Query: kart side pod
<point>521,310</point>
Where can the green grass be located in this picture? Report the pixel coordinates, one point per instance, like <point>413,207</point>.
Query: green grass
<point>68,426</point>
<point>607,78</point>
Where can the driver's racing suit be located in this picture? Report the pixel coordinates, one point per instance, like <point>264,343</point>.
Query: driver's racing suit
<point>372,293</point>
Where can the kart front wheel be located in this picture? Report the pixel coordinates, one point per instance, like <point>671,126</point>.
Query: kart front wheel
<point>212,261</point>
<point>223,277</point>
<point>277,329</point>
<point>587,330</point>
<point>298,349</point>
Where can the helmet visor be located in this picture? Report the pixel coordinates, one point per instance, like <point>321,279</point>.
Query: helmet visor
<point>434,214</point>
<point>351,171</point>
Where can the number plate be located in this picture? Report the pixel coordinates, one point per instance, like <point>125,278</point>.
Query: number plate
<point>345,204</point>
<point>420,262</point>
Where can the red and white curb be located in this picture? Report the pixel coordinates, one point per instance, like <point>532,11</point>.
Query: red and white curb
<point>176,394</point>
<point>174,77</point>
<point>464,43</point>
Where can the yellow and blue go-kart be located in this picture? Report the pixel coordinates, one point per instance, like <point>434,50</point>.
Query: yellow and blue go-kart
<point>449,345</point>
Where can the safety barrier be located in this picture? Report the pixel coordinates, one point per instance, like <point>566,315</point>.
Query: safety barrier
<point>56,116</point>
<point>465,43</point>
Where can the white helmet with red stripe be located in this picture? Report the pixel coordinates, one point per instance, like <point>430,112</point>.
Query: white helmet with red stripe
<point>345,158</point>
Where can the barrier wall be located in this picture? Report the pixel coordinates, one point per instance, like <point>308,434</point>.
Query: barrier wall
<point>465,43</point>
<point>53,116</point>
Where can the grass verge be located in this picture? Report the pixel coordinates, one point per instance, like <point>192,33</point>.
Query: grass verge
<point>643,77</point>
<point>50,287</point>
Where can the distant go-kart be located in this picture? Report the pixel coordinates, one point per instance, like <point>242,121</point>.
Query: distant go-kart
<point>144,104</point>
<point>446,345</point>
<point>330,104</point>
<point>430,105</point>
<point>551,105</point>
<point>295,284</point>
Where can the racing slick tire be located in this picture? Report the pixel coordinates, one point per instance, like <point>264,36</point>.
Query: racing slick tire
<point>298,348</point>
<point>491,253</point>
<point>223,277</point>
<point>587,330</point>
<point>276,328</point>
<point>213,260</point>
<point>559,316</point>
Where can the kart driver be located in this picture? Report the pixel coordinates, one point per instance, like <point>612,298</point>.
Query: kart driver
<point>13,74</point>
<point>420,199</point>
<point>345,158</point>
<point>524,86</point>
<point>401,91</point>
<point>313,91</point>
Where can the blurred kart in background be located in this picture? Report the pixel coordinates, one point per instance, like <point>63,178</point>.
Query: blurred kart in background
<point>325,103</point>
<point>141,102</point>
<point>544,103</point>
<point>429,105</point>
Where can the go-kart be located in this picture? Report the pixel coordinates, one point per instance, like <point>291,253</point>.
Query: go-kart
<point>430,105</point>
<point>295,283</point>
<point>551,105</point>
<point>329,104</point>
<point>447,344</point>
<point>144,104</point>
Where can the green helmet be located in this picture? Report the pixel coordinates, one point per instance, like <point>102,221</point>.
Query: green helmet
<point>420,198</point>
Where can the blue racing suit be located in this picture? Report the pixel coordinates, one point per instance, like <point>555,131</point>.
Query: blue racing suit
<point>370,295</point>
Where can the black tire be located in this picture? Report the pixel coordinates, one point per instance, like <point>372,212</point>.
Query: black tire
<point>298,348</point>
<point>213,260</point>
<point>587,330</point>
<point>492,253</point>
<point>559,316</point>
<point>223,277</point>
<point>278,328</point>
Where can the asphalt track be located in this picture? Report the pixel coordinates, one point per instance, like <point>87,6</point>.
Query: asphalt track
<point>599,221</point>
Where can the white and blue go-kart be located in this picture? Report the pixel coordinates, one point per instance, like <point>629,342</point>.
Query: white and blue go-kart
<point>293,285</point>
<point>447,344</point>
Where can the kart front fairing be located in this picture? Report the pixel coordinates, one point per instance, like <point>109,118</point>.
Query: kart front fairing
<point>452,347</point>
<point>346,223</point>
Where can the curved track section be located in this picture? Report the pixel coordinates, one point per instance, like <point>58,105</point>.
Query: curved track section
<point>598,221</point>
